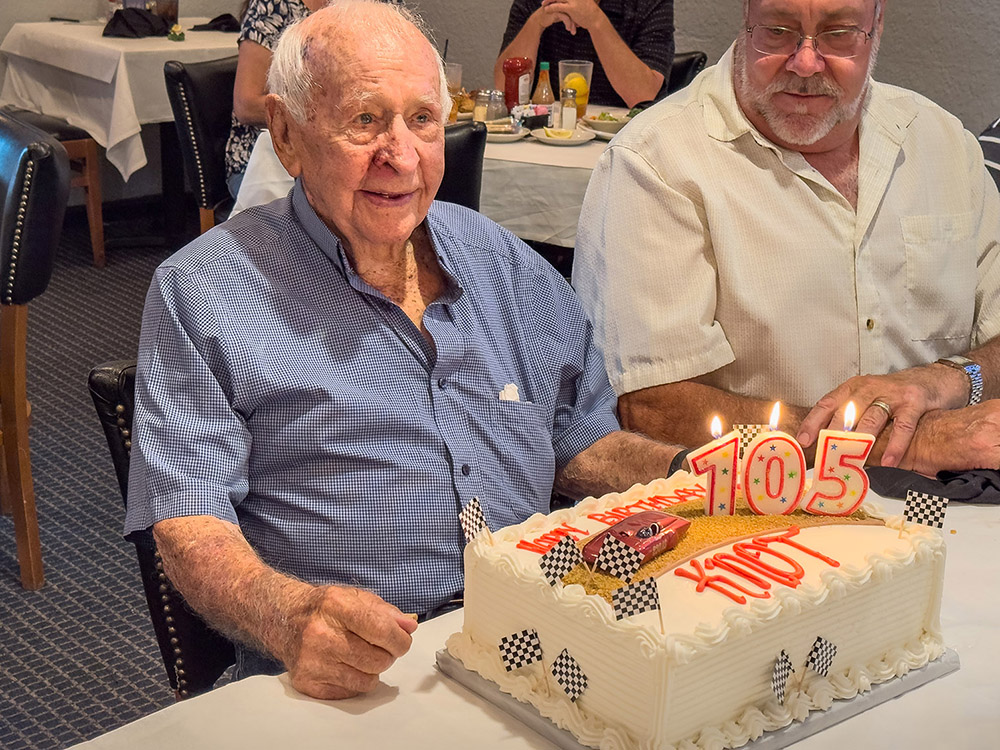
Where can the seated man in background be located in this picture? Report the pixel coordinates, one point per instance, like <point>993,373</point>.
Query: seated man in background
<point>325,382</point>
<point>790,229</point>
<point>630,42</point>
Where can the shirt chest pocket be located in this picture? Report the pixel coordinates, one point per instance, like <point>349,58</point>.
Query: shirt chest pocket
<point>941,275</point>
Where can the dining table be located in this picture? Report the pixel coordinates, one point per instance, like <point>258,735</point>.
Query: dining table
<point>108,86</point>
<point>531,187</point>
<point>418,707</point>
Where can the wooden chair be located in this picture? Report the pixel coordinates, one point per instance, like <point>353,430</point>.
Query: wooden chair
<point>193,654</point>
<point>86,167</point>
<point>34,187</point>
<point>201,97</point>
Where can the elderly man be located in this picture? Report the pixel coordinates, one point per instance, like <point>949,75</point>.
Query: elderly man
<point>630,42</point>
<point>787,228</point>
<point>325,382</point>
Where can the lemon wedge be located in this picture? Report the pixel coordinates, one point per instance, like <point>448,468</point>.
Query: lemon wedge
<point>558,133</point>
<point>577,82</point>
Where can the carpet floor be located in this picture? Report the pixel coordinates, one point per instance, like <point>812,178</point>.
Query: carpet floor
<point>77,658</point>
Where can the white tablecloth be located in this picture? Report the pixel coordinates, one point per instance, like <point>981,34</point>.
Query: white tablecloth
<point>417,708</point>
<point>532,189</point>
<point>106,85</point>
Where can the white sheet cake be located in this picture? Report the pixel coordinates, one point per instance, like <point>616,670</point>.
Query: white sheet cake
<point>706,681</point>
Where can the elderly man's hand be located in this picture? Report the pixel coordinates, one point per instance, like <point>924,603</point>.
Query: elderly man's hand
<point>956,440</point>
<point>346,642</point>
<point>896,401</point>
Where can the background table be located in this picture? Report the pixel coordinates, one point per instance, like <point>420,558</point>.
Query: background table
<point>106,85</point>
<point>418,708</point>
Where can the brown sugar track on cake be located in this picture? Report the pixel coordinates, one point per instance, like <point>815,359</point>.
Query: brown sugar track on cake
<point>705,534</point>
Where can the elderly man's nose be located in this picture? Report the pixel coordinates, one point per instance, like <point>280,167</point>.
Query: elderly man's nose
<point>806,60</point>
<point>398,146</point>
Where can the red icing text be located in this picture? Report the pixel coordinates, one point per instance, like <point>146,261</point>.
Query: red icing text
<point>751,567</point>
<point>550,539</point>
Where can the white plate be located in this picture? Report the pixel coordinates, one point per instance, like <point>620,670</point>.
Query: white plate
<point>464,115</point>
<point>597,134</point>
<point>579,136</point>
<point>506,137</point>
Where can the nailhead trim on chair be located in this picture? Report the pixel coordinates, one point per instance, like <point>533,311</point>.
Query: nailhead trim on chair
<point>165,587</point>
<point>15,247</point>
<point>203,201</point>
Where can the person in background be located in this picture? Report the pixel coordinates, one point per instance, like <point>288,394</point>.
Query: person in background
<point>630,42</point>
<point>325,382</point>
<point>789,229</point>
<point>262,24</point>
<point>989,139</point>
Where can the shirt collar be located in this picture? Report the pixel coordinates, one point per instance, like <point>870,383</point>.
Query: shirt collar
<point>442,240</point>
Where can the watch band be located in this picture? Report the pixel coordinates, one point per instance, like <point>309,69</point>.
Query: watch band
<point>971,369</point>
<point>677,462</point>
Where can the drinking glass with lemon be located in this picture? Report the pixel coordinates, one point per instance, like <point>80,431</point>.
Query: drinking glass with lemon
<point>576,74</point>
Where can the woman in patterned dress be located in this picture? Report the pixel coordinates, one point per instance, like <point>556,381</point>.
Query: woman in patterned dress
<point>263,22</point>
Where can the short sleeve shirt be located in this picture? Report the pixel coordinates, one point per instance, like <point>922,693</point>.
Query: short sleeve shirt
<point>278,390</point>
<point>263,23</point>
<point>646,26</point>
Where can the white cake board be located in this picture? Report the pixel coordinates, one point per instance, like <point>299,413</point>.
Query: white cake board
<point>817,721</point>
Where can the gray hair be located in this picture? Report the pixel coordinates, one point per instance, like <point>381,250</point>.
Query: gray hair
<point>290,76</point>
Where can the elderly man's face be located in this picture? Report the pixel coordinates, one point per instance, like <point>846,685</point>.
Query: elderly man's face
<point>371,153</point>
<point>805,101</point>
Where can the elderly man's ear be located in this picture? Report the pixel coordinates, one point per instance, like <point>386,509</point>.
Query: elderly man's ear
<point>279,123</point>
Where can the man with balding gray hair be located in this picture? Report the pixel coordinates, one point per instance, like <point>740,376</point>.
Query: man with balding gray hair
<point>326,381</point>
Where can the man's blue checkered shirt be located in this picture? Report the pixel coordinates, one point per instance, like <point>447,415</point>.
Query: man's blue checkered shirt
<point>277,389</point>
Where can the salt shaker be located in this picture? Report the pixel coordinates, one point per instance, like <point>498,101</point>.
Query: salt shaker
<point>568,109</point>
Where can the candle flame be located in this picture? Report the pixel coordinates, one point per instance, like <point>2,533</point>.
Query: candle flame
<point>849,414</point>
<point>775,415</point>
<point>716,427</point>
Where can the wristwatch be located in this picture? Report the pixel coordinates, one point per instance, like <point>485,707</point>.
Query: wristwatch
<point>971,369</point>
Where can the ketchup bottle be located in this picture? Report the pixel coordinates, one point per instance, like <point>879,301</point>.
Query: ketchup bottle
<point>517,80</point>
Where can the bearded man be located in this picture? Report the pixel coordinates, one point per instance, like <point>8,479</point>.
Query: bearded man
<point>788,229</point>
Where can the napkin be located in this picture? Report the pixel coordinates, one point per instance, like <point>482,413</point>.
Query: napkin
<point>134,23</point>
<point>977,486</point>
<point>225,22</point>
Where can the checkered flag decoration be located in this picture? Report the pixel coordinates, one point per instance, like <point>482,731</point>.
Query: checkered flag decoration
<point>779,676</point>
<point>520,649</point>
<point>560,560</point>
<point>747,433</point>
<point>926,509</point>
<point>618,558</point>
<point>821,655</point>
<point>635,599</point>
<point>569,675</point>
<point>472,519</point>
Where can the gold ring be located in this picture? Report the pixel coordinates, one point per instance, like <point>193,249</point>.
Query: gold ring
<point>884,407</point>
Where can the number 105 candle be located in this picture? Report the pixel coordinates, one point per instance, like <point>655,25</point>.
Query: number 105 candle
<point>718,459</point>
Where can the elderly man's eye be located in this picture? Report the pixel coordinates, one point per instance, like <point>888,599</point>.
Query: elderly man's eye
<point>366,118</point>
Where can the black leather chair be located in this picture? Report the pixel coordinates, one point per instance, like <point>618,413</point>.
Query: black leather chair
<point>464,147</point>
<point>989,140</point>
<point>34,187</point>
<point>201,97</point>
<point>685,67</point>
<point>194,655</point>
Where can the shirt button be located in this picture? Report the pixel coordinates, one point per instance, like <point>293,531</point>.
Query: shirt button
<point>869,324</point>
<point>442,383</point>
<point>465,470</point>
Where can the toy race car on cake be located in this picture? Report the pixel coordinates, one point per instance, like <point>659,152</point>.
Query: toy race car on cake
<point>648,533</point>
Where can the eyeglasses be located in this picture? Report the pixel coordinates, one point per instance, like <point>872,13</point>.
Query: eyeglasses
<point>779,40</point>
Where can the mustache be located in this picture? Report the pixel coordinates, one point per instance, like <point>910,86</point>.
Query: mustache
<point>813,85</point>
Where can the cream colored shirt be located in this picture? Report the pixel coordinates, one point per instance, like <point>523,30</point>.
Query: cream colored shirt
<point>705,248</point>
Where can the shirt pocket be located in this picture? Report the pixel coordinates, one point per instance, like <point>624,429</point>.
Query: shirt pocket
<point>523,433</point>
<point>941,275</point>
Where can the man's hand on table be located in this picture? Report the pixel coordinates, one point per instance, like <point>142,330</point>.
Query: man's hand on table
<point>348,639</point>
<point>956,440</point>
<point>908,395</point>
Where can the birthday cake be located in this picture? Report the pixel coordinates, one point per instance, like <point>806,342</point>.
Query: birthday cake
<point>748,624</point>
